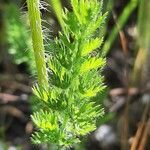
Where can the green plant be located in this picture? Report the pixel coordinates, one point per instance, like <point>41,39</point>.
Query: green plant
<point>122,19</point>
<point>37,40</point>
<point>18,37</point>
<point>58,11</point>
<point>66,108</point>
<point>141,65</point>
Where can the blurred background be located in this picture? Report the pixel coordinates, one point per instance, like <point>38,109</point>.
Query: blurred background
<point>126,124</point>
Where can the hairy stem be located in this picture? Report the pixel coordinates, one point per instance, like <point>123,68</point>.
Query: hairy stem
<point>57,7</point>
<point>37,40</point>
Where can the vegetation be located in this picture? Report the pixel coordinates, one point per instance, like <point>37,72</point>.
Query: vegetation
<point>120,23</point>
<point>67,109</point>
<point>18,37</point>
<point>73,49</point>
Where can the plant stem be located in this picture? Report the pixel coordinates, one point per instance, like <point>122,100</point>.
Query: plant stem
<point>56,4</point>
<point>123,18</point>
<point>37,40</point>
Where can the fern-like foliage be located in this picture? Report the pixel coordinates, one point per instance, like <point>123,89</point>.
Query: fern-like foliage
<point>67,110</point>
<point>19,39</point>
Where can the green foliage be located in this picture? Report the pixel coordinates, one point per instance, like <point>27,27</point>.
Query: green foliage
<point>19,39</point>
<point>66,109</point>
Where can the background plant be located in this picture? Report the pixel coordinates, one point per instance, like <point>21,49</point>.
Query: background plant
<point>18,37</point>
<point>141,65</point>
<point>66,109</point>
<point>120,23</point>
